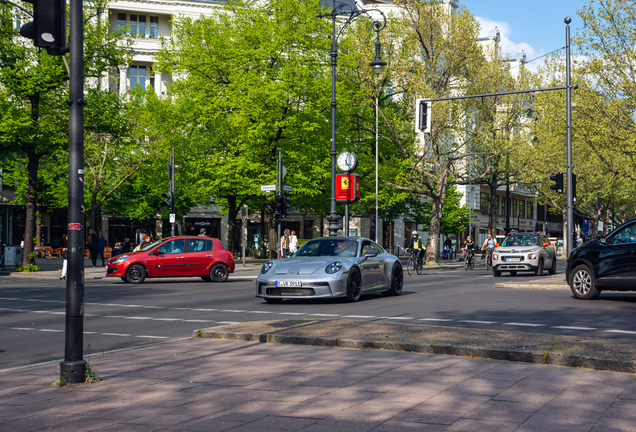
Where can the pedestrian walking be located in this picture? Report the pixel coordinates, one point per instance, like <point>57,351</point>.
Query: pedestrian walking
<point>202,233</point>
<point>448,247</point>
<point>93,246</point>
<point>293,242</point>
<point>102,243</point>
<point>284,244</point>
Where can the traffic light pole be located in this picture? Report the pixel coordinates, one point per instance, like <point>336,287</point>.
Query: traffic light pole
<point>73,368</point>
<point>568,106</point>
<point>279,192</point>
<point>173,227</point>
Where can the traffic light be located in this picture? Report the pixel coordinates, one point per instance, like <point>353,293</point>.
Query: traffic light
<point>48,28</point>
<point>167,200</point>
<point>558,183</point>
<point>280,208</point>
<point>288,205</point>
<point>424,116</point>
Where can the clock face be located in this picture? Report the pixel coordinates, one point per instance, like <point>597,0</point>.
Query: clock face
<point>347,161</point>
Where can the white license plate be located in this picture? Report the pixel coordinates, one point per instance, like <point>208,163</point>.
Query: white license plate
<point>513,259</point>
<point>289,284</point>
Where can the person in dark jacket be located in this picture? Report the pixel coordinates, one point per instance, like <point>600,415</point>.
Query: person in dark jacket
<point>102,243</point>
<point>93,246</point>
<point>118,249</point>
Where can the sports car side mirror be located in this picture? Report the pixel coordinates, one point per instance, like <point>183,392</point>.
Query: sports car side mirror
<point>370,254</point>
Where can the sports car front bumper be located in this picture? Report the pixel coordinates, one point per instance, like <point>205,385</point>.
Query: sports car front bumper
<point>329,286</point>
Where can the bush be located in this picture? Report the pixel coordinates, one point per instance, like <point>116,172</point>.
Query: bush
<point>30,268</point>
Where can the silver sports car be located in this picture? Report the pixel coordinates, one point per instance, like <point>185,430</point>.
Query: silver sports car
<point>331,267</point>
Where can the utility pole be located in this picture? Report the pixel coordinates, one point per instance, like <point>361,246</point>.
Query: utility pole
<point>73,368</point>
<point>568,105</point>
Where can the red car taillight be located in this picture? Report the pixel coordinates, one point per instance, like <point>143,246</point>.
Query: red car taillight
<point>228,253</point>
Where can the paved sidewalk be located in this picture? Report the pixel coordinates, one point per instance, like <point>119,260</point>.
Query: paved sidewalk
<point>216,385</point>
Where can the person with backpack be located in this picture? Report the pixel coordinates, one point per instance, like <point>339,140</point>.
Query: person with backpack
<point>93,246</point>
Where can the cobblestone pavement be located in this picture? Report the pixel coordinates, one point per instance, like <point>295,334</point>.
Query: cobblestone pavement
<point>217,385</point>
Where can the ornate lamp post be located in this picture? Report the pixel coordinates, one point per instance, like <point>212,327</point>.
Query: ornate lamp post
<point>377,65</point>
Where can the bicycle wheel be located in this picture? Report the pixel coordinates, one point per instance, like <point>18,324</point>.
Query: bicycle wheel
<point>467,262</point>
<point>472,264</point>
<point>410,267</point>
<point>418,267</point>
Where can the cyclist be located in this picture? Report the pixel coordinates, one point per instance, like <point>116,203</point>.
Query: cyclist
<point>470,250</point>
<point>489,245</point>
<point>416,244</point>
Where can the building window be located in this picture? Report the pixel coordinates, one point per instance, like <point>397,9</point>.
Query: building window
<point>121,22</point>
<point>154,27</point>
<point>138,76</point>
<point>138,25</point>
<point>497,208</point>
<point>529,210</point>
<point>522,208</point>
<point>503,206</point>
<point>483,202</point>
<point>514,207</point>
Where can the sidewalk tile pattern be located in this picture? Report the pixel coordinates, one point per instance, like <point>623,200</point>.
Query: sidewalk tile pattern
<point>216,385</point>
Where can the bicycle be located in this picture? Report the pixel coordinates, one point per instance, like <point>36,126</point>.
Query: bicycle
<point>413,265</point>
<point>489,258</point>
<point>470,261</point>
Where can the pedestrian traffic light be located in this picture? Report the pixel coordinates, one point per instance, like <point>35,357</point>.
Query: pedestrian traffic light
<point>280,207</point>
<point>558,183</point>
<point>48,28</point>
<point>167,200</point>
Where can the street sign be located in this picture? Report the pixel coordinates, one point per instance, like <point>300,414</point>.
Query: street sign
<point>268,188</point>
<point>284,171</point>
<point>287,188</point>
<point>173,218</point>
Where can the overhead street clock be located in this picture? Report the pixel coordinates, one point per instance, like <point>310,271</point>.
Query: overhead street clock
<point>347,161</point>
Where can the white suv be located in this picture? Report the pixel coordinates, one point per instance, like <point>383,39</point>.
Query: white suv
<point>524,252</point>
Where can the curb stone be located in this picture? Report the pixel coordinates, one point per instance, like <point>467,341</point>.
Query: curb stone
<point>532,286</point>
<point>523,356</point>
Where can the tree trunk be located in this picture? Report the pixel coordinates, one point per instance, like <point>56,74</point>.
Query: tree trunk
<point>30,205</point>
<point>606,217</point>
<point>432,245</point>
<point>492,210</point>
<point>232,225</point>
<point>94,212</point>
<point>272,234</point>
<point>38,226</point>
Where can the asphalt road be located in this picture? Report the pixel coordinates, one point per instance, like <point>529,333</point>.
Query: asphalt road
<point>120,315</point>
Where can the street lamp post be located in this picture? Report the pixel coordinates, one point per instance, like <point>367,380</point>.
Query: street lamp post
<point>377,65</point>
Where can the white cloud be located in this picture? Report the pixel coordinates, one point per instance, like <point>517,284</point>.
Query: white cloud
<point>507,45</point>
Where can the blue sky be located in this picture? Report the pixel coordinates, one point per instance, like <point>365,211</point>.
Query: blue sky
<point>535,26</point>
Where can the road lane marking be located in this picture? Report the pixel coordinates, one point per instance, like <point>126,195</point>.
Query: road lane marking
<point>435,319</point>
<point>478,322</point>
<point>397,318</point>
<point>359,316</point>
<point>198,321</point>
<point>291,313</point>
<point>261,312</point>
<point>325,315</point>
<point>205,310</point>
<point>573,328</point>
<point>50,330</point>
<point>20,328</point>
<point>167,319</point>
<point>141,318</point>
<point>228,310</point>
<point>228,322</point>
<point>523,324</point>
<point>115,334</point>
<point>621,331</point>
<point>152,337</point>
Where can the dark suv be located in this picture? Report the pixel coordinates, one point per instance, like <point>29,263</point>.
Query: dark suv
<point>607,264</point>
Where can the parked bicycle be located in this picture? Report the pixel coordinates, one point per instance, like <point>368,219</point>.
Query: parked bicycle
<point>413,264</point>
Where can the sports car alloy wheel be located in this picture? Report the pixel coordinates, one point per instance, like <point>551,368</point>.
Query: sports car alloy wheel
<point>354,285</point>
<point>397,280</point>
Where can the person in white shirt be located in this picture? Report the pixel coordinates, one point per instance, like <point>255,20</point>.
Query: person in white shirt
<point>293,242</point>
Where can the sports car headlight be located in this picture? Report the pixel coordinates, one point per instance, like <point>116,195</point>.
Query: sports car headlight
<point>268,265</point>
<point>334,267</point>
<point>120,259</point>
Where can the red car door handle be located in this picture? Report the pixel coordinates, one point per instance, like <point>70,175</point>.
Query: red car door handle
<point>180,257</point>
<point>210,255</point>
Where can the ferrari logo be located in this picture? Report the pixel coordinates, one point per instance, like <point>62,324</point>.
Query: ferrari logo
<point>345,183</point>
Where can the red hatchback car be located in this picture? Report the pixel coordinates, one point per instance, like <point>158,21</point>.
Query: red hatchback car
<point>175,257</point>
